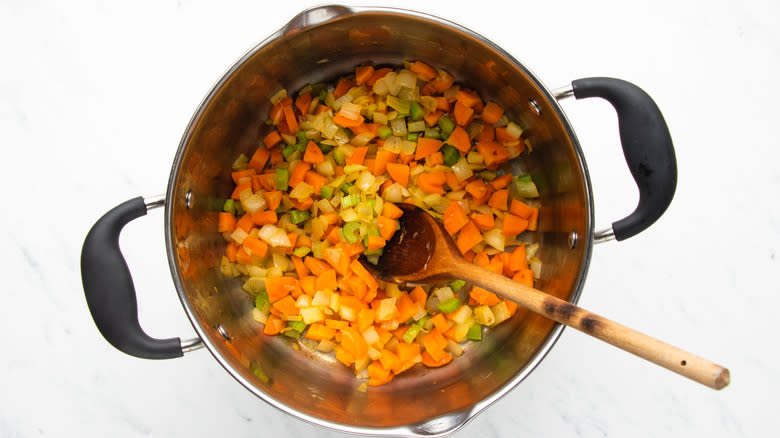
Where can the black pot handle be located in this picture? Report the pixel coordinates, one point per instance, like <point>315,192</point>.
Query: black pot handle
<point>109,288</point>
<point>647,147</point>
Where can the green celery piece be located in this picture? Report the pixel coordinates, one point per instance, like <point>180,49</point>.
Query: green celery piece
<point>345,187</point>
<point>523,187</point>
<point>432,133</point>
<point>259,373</point>
<point>447,126</point>
<point>350,200</point>
<point>282,178</point>
<point>229,206</point>
<point>325,148</point>
<point>451,154</point>
<point>301,136</point>
<point>339,156</point>
<point>416,111</point>
<point>301,252</point>
<point>449,306</point>
<point>384,131</point>
<point>475,332</point>
<point>351,231</point>
<point>411,333</point>
<point>288,150</point>
<point>326,192</point>
<point>261,300</point>
<point>298,216</point>
<point>456,285</point>
<point>316,249</point>
<point>298,326</point>
<point>412,136</point>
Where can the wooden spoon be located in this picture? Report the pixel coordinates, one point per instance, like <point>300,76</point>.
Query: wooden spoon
<point>421,251</point>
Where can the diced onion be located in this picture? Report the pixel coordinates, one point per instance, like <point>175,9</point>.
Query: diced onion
<point>461,170</point>
<point>495,238</point>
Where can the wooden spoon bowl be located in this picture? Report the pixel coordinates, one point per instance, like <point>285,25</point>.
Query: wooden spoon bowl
<point>421,251</point>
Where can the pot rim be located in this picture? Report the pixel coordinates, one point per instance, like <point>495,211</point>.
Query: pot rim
<point>432,427</point>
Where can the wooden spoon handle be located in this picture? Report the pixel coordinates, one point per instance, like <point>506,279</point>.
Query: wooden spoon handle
<point>646,347</point>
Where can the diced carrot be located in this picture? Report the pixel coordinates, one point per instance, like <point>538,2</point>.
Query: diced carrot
<point>245,223</point>
<point>343,85</point>
<point>484,221</point>
<point>513,225</point>
<point>365,319</point>
<point>264,217</point>
<point>363,73</point>
<point>300,267</point>
<point>484,297</point>
<point>343,355</point>
<point>434,343</point>
<point>407,352</point>
<point>511,306</point>
<point>423,70</point>
<point>345,122</point>
<point>406,308</point>
<point>418,296</point>
<point>353,342</point>
<point>298,173</point>
<point>386,227</point>
<point>443,104</point>
<point>377,374</point>
<point>313,153</point>
<point>533,221</point>
<point>454,218</point>
<point>364,275</point>
<point>303,241</point>
<point>330,218</point>
<point>467,98</point>
<point>493,154</point>
<point>432,182</point>
<point>432,362</point>
<point>426,146</point>
<point>399,173</point>
<point>274,325</point>
<point>517,259</point>
<point>469,236</point>
<point>382,158</point>
<point>477,188</point>
<point>326,280</point>
<point>291,119</point>
<point>302,102</point>
<point>389,360</point>
<point>305,204</point>
<point>286,305</point>
<point>259,158</point>
<point>246,173</point>
<point>227,222</point>
<point>276,156</point>
<point>256,246</point>
<point>390,210</point>
<point>452,181</point>
<point>432,118</point>
<point>492,113</point>
<point>460,139</point>
<point>375,242</point>
<point>338,259</point>
<point>243,256</point>
<point>443,81</point>
<point>230,251</point>
<point>277,114</point>
<point>319,332</point>
<point>501,181</point>
<point>279,287</point>
<point>315,180</point>
<point>267,181</point>
<point>488,133</point>
<point>309,284</point>
<point>366,127</point>
<point>462,113</point>
<point>333,235</point>
<point>378,74</point>
<point>315,265</point>
<point>499,199</point>
<point>240,188</point>
<point>440,322</point>
<point>525,276</point>
<point>434,159</point>
<point>336,324</point>
<point>358,155</point>
<point>502,135</point>
<point>273,199</point>
<point>481,259</point>
<point>520,209</point>
<point>405,158</point>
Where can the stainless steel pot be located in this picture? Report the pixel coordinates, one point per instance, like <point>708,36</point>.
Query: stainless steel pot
<point>317,45</point>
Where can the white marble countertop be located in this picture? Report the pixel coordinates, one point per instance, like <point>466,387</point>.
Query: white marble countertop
<point>94,97</point>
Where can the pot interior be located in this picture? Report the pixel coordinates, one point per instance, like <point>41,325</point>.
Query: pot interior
<point>231,120</point>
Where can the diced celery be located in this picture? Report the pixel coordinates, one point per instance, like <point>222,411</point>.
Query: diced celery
<point>432,133</point>
<point>259,373</point>
<point>339,156</point>
<point>457,284</point>
<point>298,216</point>
<point>241,162</point>
<point>350,200</point>
<point>450,305</point>
<point>302,251</point>
<point>326,192</point>
<point>351,231</point>
<point>345,187</point>
<point>282,178</point>
<point>261,300</point>
<point>229,206</point>
<point>298,326</point>
<point>523,187</point>
<point>447,126</point>
<point>412,136</point>
<point>474,333</point>
<point>384,131</point>
<point>411,333</point>
<point>325,148</point>
<point>451,154</point>
<point>416,111</point>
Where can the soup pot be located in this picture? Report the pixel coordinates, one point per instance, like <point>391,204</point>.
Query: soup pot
<point>318,45</point>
